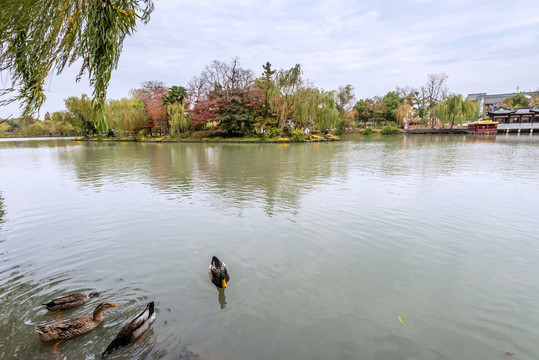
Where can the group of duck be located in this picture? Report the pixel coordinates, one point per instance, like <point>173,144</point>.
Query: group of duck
<point>134,329</point>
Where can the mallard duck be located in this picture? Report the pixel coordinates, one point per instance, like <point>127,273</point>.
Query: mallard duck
<point>132,330</point>
<point>69,301</point>
<point>65,329</point>
<point>218,273</point>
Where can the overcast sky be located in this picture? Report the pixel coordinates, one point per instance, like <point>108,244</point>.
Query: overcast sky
<point>483,46</point>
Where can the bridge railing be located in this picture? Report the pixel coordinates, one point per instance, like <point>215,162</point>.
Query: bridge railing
<point>516,126</point>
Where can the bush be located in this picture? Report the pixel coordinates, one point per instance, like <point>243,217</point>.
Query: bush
<point>273,131</point>
<point>298,135</point>
<point>207,133</point>
<point>389,130</point>
<point>367,131</point>
<point>36,129</point>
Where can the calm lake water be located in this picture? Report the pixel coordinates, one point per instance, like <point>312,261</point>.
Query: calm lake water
<point>327,246</point>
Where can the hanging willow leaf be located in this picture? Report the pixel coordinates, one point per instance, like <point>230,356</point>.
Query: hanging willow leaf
<point>38,37</point>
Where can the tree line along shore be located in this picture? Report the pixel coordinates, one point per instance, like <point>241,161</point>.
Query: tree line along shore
<point>227,102</point>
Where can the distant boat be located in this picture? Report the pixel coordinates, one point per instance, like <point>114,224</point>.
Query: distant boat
<point>483,127</point>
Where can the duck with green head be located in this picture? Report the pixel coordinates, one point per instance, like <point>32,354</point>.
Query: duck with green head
<point>218,272</point>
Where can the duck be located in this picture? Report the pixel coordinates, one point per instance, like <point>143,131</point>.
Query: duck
<point>133,330</point>
<point>69,301</point>
<point>66,329</point>
<point>218,273</point>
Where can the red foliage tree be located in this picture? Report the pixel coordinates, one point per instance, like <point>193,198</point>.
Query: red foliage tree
<point>152,95</point>
<point>236,105</point>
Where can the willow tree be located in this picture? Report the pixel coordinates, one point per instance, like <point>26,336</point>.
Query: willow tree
<point>287,83</point>
<point>327,114</point>
<point>39,37</point>
<point>315,108</point>
<point>126,116</point>
<point>456,110</point>
<point>174,105</point>
<point>178,121</point>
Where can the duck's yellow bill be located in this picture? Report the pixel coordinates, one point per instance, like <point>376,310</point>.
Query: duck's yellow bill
<point>223,282</point>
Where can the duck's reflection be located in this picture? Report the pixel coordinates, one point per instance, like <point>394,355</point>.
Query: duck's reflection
<point>222,297</point>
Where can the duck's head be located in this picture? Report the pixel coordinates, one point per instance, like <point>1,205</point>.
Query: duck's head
<point>98,312</point>
<point>104,306</point>
<point>222,277</point>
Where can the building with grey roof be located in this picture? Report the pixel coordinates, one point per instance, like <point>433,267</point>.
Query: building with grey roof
<point>489,102</point>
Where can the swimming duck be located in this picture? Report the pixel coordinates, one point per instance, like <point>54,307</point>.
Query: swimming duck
<point>66,329</point>
<point>132,330</point>
<point>69,301</point>
<point>218,273</point>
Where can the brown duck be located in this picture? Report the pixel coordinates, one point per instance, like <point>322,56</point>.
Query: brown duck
<point>66,329</point>
<point>69,301</point>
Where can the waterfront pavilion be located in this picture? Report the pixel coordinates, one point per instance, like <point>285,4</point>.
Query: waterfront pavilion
<point>515,119</point>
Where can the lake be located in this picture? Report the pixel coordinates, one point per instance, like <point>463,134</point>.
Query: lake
<point>399,247</point>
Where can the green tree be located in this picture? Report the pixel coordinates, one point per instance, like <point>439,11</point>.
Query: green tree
<point>40,37</point>
<point>392,101</point>
<point>455,110</point>
<point>327,114</point>
<point>176,94</point>
<point>126,116</point>
<point>373,110</point>
<point>174,106</point>
<point>405,111</point>
<point>287,82</point>
<point>36,129</point>
<point>267,85</point>
<point>314,108</point>
<point>364,109</point>
<point>303,109</point>
<point>178,121</point>
<point>516,101</point>
<point>62,126</point>
<point>80,113</point>
<point>419,102</point>
<point>534,101</point>
<point>344,98</point>
<point>237,114</point>
<point>5,128</point>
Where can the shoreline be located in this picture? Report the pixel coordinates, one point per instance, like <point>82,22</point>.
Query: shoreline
<point>214,140</point>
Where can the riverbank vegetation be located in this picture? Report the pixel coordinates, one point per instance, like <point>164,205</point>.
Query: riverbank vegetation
<point>228,102</point>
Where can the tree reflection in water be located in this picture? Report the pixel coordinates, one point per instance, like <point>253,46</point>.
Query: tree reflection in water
<point>2,210</point>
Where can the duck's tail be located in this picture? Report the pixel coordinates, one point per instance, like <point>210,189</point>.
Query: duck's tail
<point>215,262</point>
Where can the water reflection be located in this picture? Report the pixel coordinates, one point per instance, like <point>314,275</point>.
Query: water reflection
<point>53,142</point>
<point>219,170</point>
<point>2,210</point>
<point>222,298</point>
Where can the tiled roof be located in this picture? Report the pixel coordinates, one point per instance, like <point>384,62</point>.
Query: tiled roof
<point>502,110</point>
